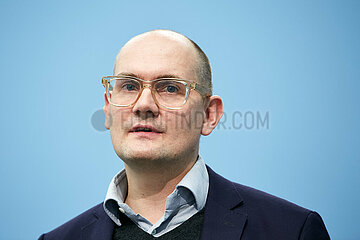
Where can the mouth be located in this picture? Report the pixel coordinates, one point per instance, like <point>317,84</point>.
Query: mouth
<point>144,129</point>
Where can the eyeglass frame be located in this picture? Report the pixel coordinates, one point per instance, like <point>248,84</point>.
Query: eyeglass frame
<point>190,85</point>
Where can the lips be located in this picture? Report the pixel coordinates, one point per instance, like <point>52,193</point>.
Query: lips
<point>144,128</point>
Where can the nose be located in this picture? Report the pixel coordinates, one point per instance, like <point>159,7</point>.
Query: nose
<point>145,106</point>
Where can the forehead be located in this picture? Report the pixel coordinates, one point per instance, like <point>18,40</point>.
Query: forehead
<point>155,55</point>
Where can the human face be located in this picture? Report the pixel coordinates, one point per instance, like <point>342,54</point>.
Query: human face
<point>174,134</point>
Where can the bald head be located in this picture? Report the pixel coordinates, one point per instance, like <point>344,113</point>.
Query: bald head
<point>163,45</point>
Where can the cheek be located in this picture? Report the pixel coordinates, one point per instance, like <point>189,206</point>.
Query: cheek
<point>185,123</point>
<point>119,121</point>
<point>196,116</point>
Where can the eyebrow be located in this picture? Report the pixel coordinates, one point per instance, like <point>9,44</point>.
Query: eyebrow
<point>159,76</point>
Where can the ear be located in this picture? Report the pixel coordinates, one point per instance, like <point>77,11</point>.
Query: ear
<point>214,112</point>
<point>106,109</point>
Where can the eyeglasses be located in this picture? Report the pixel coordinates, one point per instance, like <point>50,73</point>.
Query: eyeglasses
<point>170,93</point>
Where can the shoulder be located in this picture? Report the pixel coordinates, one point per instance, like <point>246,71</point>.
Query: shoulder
<point>253,199</point>
<point>263,201</point>
<point>267,207</point>
<point>266,212</point>
<point>72,228</point>
<point>277,215</point>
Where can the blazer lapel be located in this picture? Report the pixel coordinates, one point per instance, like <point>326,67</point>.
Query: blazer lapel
<point>100,226</point>
<point>225,215</point>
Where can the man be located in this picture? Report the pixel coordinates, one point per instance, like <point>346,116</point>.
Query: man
<point>157,105</point>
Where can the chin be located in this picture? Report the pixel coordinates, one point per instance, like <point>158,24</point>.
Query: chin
<point>142,154</point>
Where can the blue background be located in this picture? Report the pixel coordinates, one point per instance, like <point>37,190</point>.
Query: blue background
<point>298,61</point>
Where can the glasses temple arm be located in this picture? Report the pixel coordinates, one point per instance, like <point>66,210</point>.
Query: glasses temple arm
<point>202,90</point>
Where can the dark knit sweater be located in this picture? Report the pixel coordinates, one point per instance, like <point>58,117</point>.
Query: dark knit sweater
<point>189,230</point>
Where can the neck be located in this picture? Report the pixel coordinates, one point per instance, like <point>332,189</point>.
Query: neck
<point>148,188</point>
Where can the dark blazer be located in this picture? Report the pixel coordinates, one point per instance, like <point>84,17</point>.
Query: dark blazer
<point>232,211</point>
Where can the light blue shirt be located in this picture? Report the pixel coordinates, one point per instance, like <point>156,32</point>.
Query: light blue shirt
<point>188,198</point>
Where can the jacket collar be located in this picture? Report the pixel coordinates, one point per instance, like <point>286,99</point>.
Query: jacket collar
<point>225,215</point>
<point>100,226</point>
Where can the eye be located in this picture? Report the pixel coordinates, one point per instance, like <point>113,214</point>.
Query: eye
<point>171,89</point>
<point>129,87</point>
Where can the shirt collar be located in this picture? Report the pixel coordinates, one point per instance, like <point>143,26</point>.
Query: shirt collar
<point>196,181</point>
<point>118,187</point>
